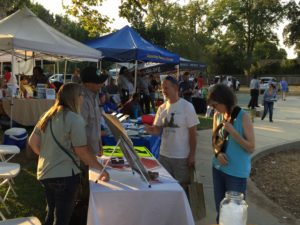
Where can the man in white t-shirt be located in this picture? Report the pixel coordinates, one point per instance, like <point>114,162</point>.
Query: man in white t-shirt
<point>177,121</point>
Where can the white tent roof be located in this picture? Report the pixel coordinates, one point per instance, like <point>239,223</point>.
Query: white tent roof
<point>24,31</point>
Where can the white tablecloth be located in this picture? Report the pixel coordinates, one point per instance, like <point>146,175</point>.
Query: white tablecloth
<point>127,200</point>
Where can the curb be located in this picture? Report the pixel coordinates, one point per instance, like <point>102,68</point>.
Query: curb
<point>259,198</point>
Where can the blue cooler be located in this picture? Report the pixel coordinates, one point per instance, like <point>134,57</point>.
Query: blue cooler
<point>15,136</point>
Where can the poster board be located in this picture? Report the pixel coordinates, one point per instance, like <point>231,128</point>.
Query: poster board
<point>50,93</point>
<point>126,145</point>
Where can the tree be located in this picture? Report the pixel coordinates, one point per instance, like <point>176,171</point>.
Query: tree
<point>179,28</point>
<point>291,32</point>
<point>8,7</point>
<point>61,23</point>
<point>89,18</point>
<point>268,50</point>
<point>134,11</point>
<point>244,23</point>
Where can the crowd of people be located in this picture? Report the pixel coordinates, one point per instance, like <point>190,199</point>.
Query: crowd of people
<point>269,96</point>
<point>68,136</point>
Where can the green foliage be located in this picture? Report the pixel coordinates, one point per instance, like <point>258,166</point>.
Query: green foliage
<point>61,23</point>
<point>8,7</point>
<point>265,67</point>
<point>244,23</point>
<point>179,28</point>
<point>276,67</point>
<point>89,18</point>
<point>290,66</point>
<point>267,50</point>
<point>230,36</point>
<point>291,32</point>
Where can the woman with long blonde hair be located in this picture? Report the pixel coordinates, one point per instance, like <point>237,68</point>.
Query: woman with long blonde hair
<point>60,140</point>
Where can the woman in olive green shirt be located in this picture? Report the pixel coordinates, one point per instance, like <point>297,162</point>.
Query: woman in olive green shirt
<point>58,171</point>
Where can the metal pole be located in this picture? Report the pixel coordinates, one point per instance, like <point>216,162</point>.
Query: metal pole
<point>11,97</point>
<point>135,75</point>
<point>57,66</point>
<point>1,72</point>
<point>65,72</point>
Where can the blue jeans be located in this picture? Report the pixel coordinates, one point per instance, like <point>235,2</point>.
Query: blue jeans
<point>61,194</point>
<point>268,107</point>
<point>224,182</point>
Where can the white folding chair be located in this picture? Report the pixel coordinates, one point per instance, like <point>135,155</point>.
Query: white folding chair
<point>7,172</point>
<point>8,150</point>
<point>2,216</point>
<point>21,221</point>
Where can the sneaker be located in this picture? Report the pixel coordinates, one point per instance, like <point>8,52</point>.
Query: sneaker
<point>271,121</point>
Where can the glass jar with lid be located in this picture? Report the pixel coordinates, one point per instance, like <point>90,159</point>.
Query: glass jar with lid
<point>233,209</point>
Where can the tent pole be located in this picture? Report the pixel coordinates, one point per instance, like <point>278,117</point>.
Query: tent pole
<point>57,64</point>
<point>19,77</point>
<point>135,75</point>
<point>1,69</point>
<point>65,72</point>
<point>100,65</point>
<point>11,94</point>
<point>42,63</point>
<point>33,57</point>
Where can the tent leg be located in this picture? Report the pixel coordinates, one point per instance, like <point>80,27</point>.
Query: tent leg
<point>65,71</point>
<point>135,75</point>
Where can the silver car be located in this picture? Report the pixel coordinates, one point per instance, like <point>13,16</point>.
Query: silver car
<point>265,81</point>
<point>60,78</point>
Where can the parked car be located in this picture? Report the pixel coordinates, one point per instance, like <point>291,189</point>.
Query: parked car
<point>60,78</point>
<point>231,81</point>
<point>265,81</point>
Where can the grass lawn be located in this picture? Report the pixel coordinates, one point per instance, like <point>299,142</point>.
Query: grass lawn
<point>30,200</point>
<point>205,123</point>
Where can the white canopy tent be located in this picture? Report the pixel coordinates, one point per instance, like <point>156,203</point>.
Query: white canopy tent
<point>24,36</point>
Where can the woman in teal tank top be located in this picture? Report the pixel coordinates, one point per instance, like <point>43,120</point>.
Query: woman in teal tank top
<point>231,167</point>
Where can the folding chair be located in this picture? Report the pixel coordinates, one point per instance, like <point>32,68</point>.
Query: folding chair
<point>8,150</point>
<point>21,221</point>
<point>7,172</point>
<point>2,216</point>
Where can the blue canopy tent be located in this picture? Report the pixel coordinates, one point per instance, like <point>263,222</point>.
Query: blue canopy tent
<point>191,65</point>
<point>126,45</point>
<point>185,64</point>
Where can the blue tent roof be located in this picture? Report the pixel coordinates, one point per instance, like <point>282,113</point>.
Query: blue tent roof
<point>191,65</point>
<point>127,45</point>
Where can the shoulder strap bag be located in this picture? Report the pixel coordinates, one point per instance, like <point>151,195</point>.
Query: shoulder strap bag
<point>63,148</point>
